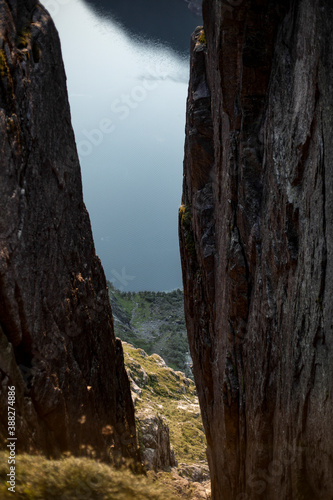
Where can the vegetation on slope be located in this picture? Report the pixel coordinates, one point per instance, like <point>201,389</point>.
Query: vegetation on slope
<point>153,321</point>
<point>171,394</point>
<point>164,392</point>
<point>77,478</point>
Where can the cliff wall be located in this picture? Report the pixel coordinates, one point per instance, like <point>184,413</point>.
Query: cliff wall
<point>256,238</point>
<point>56,329</point>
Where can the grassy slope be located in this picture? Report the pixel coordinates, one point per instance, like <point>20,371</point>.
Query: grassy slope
<point>163,391</point>
<point>171,394</point>
<point>79,479</point>
<point>153,321</point>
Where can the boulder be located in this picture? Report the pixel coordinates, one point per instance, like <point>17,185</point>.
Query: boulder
<point>154,440</point>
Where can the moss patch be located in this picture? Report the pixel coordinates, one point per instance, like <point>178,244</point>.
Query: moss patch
<point>202,37</point>
<point>23,38</point>
<point>4,69</point>
<point>185,212</point>
<point>74,478</point>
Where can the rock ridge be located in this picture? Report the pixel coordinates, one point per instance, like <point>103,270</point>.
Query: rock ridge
<point>256,243</point>
<point>56,329</point>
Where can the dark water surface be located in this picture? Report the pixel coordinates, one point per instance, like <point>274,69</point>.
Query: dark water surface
<point>170,21</point>
<point>128,98</point>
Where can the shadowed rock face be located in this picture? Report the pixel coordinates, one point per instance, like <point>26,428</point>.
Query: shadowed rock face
<point>156,449</point>
<point>256,238</point>
<point>56,331</point>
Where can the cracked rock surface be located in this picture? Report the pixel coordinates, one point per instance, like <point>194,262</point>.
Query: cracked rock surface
<point>256,238</point>
<point>157,451</point>
<point>56,329</point>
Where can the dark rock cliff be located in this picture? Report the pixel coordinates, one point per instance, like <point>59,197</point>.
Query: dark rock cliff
<point>256,238</point>
<point>56,330</point>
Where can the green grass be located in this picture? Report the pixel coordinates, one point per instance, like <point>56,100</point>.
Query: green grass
<point>126,303</point>
<point>171,394</point>
<point>77,479</point>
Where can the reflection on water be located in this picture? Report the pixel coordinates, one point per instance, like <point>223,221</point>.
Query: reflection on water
<point>128,102</point>
<point>170,21</point>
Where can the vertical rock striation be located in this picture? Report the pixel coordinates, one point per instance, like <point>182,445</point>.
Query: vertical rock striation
<point>56,330</point>
<point>256,238</point>
<point>154,438</point>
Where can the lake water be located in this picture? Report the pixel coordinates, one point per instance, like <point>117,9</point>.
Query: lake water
<point>128,100</point>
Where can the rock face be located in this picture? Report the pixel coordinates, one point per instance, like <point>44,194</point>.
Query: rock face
<point>197,473</point>
<point>157,452</point>
<point>256,237</point>
<point>56,330</point>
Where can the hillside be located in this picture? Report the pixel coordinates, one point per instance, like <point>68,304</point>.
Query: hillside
<point>168,423</point>
<point>163,398</point>
<point>153,321</point>
<point>163,391</point>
